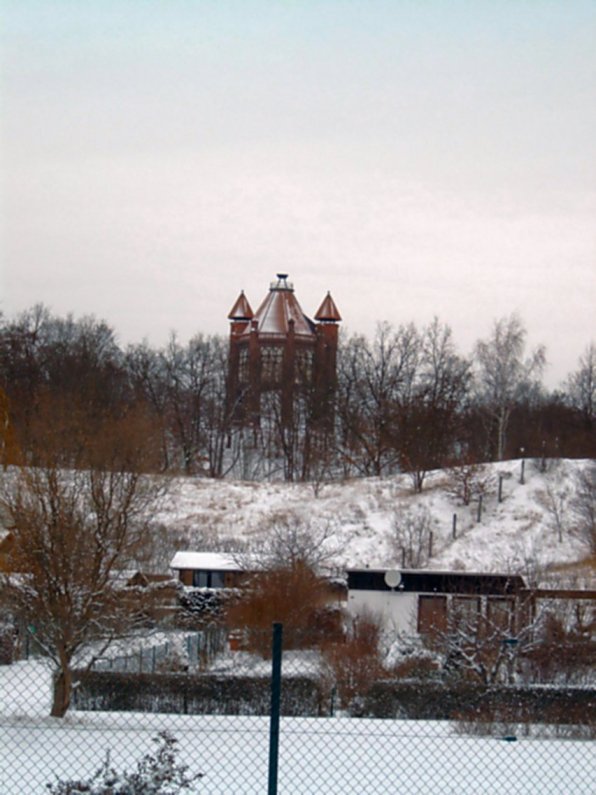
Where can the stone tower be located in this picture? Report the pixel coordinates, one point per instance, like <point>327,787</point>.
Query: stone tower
<point>279,350</point>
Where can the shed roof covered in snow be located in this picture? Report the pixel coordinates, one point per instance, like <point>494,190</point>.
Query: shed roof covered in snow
<point>206,561</point>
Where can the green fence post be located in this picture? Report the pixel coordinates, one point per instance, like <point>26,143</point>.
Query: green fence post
<point>275,707</point>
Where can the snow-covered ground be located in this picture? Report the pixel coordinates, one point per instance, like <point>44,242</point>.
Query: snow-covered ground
<point>317,755</point>
<point>330,755</point>
<point>517,534</point>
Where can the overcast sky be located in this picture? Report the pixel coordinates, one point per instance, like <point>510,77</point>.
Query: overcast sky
<point>421,158</point>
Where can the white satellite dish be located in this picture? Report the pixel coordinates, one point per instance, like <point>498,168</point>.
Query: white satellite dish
<point>392,578</point>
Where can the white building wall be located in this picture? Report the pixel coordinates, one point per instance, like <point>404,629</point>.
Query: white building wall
<point>397,610</point>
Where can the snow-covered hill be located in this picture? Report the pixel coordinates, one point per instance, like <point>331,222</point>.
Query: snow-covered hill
<point>533,527</point>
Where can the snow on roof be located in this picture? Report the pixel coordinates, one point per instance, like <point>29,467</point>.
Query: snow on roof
<point>210,561</point>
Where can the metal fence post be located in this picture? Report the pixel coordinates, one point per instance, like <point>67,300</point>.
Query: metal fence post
<point>275,707</point>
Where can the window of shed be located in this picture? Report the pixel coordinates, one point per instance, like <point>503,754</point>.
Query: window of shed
<point>217,579</point>
<point>465,611</point>
<point>208,579</point>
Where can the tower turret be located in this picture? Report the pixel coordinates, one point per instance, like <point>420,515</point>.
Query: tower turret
<point>278,349</point>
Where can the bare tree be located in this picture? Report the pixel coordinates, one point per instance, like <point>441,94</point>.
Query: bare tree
<point>555,499</point>
<point>8,445</point>
<point>49,363</point>
<point>188,371</point>
<point>288,542</point>
<point>375,381</point>
<point>581,385</point>
<point>356,661</point>
<point>295,595</point>
<point>467,481</point>
<point>503,376</point>
<point>583,504</point>
<point>484,646</point>
<point>184,386</point>
<point>562,646</point>
<point>285,440</point>
<point>214,415</point>
<point>400,400</point>
<point>74,530</point>
<point>286,583</point>
<point>411,536</point>
<point>430,419</point>
<point>148,378</point>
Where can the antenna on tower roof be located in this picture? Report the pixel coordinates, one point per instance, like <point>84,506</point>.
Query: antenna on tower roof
<point>282,283</point>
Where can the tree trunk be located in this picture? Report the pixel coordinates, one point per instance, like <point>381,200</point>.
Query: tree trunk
<point>502,422</point>
<point>62,692</point>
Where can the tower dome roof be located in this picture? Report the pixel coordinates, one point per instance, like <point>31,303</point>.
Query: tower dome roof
<point>279,310</point>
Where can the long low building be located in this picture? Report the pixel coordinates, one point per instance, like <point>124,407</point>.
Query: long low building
<point>420,601</point>
<point>410,601</point>
<point>426,602</point>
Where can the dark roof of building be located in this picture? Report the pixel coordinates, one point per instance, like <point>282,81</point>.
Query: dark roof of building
<point>424,581</point>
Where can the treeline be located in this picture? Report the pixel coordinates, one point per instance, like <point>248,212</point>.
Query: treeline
<point>405,400</point>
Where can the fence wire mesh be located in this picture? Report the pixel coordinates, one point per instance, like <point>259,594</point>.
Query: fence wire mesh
<point>334,737</point>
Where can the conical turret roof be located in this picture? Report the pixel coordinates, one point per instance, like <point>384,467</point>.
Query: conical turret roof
<point>328,310</point>
<point>241,309</point>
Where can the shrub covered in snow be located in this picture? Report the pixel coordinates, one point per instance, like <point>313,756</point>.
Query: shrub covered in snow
<point>408,657</point>
<point>176,657</point>
<point>156,774</point>
<point>7,642</point>
<point>203,606</point>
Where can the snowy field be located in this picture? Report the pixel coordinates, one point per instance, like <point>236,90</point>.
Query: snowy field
<point>317,755</point>
<point>331,755</point>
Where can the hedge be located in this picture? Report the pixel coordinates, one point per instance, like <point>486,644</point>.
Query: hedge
<point>194,694</point>
<point>519,703</point>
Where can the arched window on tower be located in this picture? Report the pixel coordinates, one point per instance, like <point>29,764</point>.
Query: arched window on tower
<point>243,370</point>
<point>272,363</point>
<point>304,362</point>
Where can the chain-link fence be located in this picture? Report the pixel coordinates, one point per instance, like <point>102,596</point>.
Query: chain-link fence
<point>166,652</point>
<point>340,729</point>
